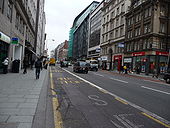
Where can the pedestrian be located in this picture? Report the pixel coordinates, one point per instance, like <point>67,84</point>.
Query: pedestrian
<point>32,63</point>
<point>5,65</point>
<point>25,65</point>
<point>155,73</point>
<point>125,69</point>
<point>45,64</point>
<point>38,67</point>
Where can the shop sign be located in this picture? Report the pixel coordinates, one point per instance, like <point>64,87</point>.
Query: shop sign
<point>118,57</point>
<point>127,60</point>
<point>162,53</point>
<point>121,45</point>
<point>4,38</point>
<point>97,50</point>
<point>138,54</point>
<point>104,58</point>
<point>15,40</point>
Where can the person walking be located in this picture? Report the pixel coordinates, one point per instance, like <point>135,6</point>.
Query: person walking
<point>38,67</point>
<point>125,69</point>
<point>5,65</point>
<point>25,65</point>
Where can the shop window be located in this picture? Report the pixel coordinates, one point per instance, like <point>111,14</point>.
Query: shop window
<point>162,27</point>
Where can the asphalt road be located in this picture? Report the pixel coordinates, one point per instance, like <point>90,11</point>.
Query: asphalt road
<point>107,100</point>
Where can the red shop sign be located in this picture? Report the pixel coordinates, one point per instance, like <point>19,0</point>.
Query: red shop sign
<point>138,54</point>
<point>118,57</point>
<point>162,53</point>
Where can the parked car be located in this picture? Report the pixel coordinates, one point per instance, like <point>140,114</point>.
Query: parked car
<point>63,64</point>
<point>166,77</point>
<point>81,66</point>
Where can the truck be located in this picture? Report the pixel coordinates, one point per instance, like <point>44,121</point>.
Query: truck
<point>52,61</point>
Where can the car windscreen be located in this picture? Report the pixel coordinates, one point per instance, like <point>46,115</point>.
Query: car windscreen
<point>83,63</point>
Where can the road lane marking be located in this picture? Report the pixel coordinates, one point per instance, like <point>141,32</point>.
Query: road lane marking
<point>119,80</point>
<point>120,100</point>
<point>98,74</point>
<point>57,115</point>
<point>129,103</point>
<point>168,126</point>
<point>156,90</point>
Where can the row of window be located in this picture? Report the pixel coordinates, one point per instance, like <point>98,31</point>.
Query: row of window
<point>138,17</point>
<point>114,24</point>
<point>114,13</point>
<point>119,32</point>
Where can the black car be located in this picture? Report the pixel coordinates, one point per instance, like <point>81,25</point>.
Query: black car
<point>166,77</point>
<point>81,66</point>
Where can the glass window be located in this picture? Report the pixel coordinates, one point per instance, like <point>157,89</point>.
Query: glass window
<point>162,27</point>
<point>123,8</point>
<point>2,5</point>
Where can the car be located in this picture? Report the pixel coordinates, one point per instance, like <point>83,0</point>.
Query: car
<point>81,66</point>
<point>166,77</point>
<point>63,64</point>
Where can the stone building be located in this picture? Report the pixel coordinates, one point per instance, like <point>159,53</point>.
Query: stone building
<point>113,33</point>
<point>147,35</point>
<point>17,28</point>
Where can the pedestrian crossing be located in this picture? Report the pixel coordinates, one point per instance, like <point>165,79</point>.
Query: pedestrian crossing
<point>68,80</point>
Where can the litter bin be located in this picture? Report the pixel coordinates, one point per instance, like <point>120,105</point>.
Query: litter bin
<point>15,66</point>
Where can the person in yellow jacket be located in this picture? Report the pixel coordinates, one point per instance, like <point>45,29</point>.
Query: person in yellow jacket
<point>125,69</point>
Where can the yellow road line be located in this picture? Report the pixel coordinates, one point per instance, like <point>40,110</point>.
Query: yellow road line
<point>120,100</point>
<point>168,126</point>
<point>77,82</point>
<point>102,90</point>
<point>57,115</point>
<point>66,82</point>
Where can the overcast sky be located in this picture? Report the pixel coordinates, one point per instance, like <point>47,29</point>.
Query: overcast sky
<point>60,15</point>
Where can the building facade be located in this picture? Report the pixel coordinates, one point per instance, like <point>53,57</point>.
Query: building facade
<point>113,33</point>
<point>80,34</point>
<point>16,29</point>
<point>147,40</point>
<point>94,33</point>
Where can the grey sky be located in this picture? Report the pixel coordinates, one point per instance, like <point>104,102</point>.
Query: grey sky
<point>60,15</point>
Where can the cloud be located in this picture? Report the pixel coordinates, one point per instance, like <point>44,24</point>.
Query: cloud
<point>60,15</point>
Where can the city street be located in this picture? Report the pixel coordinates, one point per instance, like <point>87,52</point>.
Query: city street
<point>106,100</point>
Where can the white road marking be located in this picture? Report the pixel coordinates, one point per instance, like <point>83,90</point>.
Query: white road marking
<point>98,101</point>
<point>119,80</point>
<point>156,90</point>
<point>131,104</point>
<point>98,74</point>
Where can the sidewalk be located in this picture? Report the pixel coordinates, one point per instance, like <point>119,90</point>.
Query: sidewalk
<point>19,96</point>
<point>141,75</point>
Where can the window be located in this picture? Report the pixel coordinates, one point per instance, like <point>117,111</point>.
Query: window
<point>104,20</point>
<point>147,28</point>
<point>117,22</point>
<point>123,8</point>
<point>116,33</point>
<point>113,14</point>
<point>147,12</point>
<point>107,28</point>
<point>117,11</point>
<point>107,18</point>
<point>162,10</point>
<point>122,20</point>
<point>103,29</point>
<point>2,6</point>
<point>9,11</point>
<point>106,37</point>
<point>162,27</point>
<point>17,21</point>
<point>121,31</point>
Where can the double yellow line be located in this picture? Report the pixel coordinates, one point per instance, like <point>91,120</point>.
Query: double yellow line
<point>57,115</point>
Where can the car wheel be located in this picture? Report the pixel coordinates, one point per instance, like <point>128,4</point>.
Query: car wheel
<point>168,80</point>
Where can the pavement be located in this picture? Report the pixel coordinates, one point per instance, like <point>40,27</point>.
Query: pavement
<point>23,99</point>
<point>20,97</point>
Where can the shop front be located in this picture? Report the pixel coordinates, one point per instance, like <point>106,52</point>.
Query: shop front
<point>128,62</point>
<point>117,62</point>
<point>104,63</point>
<point>146,62</point>
<point>4,48</point>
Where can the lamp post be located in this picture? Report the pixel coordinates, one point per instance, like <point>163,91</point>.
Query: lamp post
<point>46,45</point>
